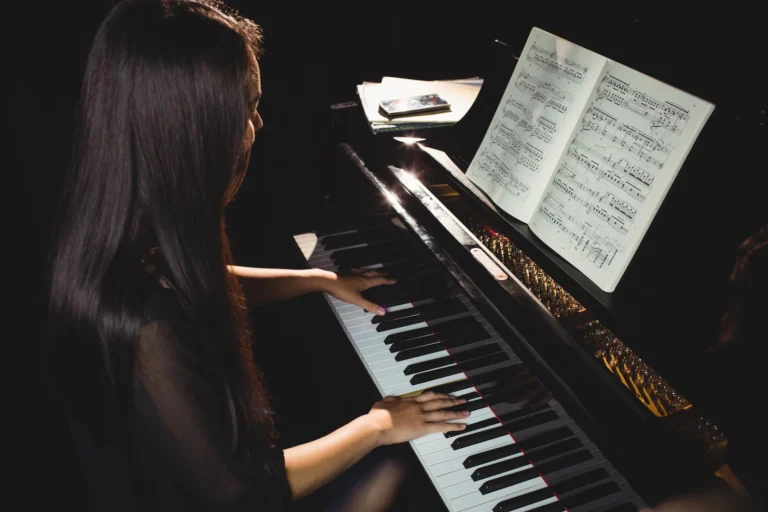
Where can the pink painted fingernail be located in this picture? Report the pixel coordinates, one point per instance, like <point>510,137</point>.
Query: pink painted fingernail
<point>381,311</point>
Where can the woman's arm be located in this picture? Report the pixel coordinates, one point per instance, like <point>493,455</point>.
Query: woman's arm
<point>266,285</point>
<point>393,420</point>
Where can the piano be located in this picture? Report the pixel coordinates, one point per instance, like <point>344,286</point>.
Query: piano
<point>575,403</point>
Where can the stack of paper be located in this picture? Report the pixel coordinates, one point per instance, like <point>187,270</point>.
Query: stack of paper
<point>460,94</point>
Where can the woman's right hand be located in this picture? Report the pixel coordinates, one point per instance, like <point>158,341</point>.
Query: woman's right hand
<point>398,420</point>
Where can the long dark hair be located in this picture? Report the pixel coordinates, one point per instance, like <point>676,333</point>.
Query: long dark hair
<point>158,145</point>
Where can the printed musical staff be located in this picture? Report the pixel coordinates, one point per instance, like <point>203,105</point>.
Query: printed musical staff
<point>492,168</point>
<point>527,155</point>
<point>551,62</point>
<point>661,114</point>
<point>586,236</point>
<point>620,174</point>
<point>526,133</point>
<point>543,128</point>
<point>546,93</point>
<point>628,138</point>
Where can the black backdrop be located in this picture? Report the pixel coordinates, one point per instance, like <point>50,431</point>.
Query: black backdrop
<point>315,55</point>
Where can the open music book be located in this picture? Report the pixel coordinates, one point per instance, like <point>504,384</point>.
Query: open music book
<point>584,149</point>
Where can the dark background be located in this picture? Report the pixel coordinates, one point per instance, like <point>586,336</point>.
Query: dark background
<point>315,55</point>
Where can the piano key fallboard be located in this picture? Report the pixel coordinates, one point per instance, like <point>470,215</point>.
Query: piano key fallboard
<point>521,450</point>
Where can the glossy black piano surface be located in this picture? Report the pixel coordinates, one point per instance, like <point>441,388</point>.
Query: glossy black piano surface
<point>629,364</point>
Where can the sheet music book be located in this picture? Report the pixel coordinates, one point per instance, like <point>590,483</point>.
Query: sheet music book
<point>584,149</point>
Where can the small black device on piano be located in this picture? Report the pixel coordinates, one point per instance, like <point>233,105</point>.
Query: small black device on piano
<point>484,312</point>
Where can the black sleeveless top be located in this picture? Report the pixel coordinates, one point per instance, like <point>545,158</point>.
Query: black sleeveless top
<point>178,453</point>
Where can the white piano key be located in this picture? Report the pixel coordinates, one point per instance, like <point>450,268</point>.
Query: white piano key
<point>450,453</point>
<point>427,438</point>
<point>488,507</point>
<point>391,364</point>
<point>465,474</point>
<point>441,444</point>
<point>444,465</point>
<point>402,365</point>
<point>474,498</point>
<point>469,486</point>
<point>373,333</point>
<point>476,415</point>
<point>416,388</point>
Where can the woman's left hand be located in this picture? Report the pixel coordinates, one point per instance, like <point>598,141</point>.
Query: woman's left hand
<point>347,287</point>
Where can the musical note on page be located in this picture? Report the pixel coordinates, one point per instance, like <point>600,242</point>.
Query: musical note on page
<point>613,175</point>
<point>542,102</point>
<point>584,149</point>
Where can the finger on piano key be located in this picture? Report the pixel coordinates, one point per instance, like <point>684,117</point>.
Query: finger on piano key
<point>441,310</point>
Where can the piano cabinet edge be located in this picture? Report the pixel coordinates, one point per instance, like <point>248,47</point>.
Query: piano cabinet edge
<point>644,426</point>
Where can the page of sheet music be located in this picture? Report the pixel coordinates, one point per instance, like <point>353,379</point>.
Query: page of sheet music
<point>633,138</point>
<point>540,108</point>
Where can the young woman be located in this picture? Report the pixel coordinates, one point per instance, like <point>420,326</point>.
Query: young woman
<point>150,343</point>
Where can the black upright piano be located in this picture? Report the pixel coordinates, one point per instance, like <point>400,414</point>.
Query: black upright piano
<point>581,400</point>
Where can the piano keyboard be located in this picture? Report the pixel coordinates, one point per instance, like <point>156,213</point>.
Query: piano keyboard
<point>517,453</point>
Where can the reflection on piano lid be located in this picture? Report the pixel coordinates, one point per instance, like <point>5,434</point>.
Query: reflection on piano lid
<point>572,328</point>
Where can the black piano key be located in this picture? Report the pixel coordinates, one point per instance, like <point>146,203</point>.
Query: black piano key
<point>439,337</point>
<point>477,380</point>
<point>408,291</point>
<point>504,429</point>
<point>457,324</point>
<point>480,437</point>
<point>496,419</point>
<point>474,364</point>
<point>419,310</point>
<point>532,420</point>
<point>516,394</point>
<point>561,487</point>
<point>435,374</point>
<point>543,469</point>
<point>534,457</point>
<point>458,358</point>
<point>531,443</point>
<point>374,222</point>
<point>409,269</point>
<point>355,255</point>
<point>471,427</point>
<point>581,498</point>
<point>419,313</point>
<point>332,242</point>
<point>364,256</point>
<point>418,352</point>
<point>474,405</point>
